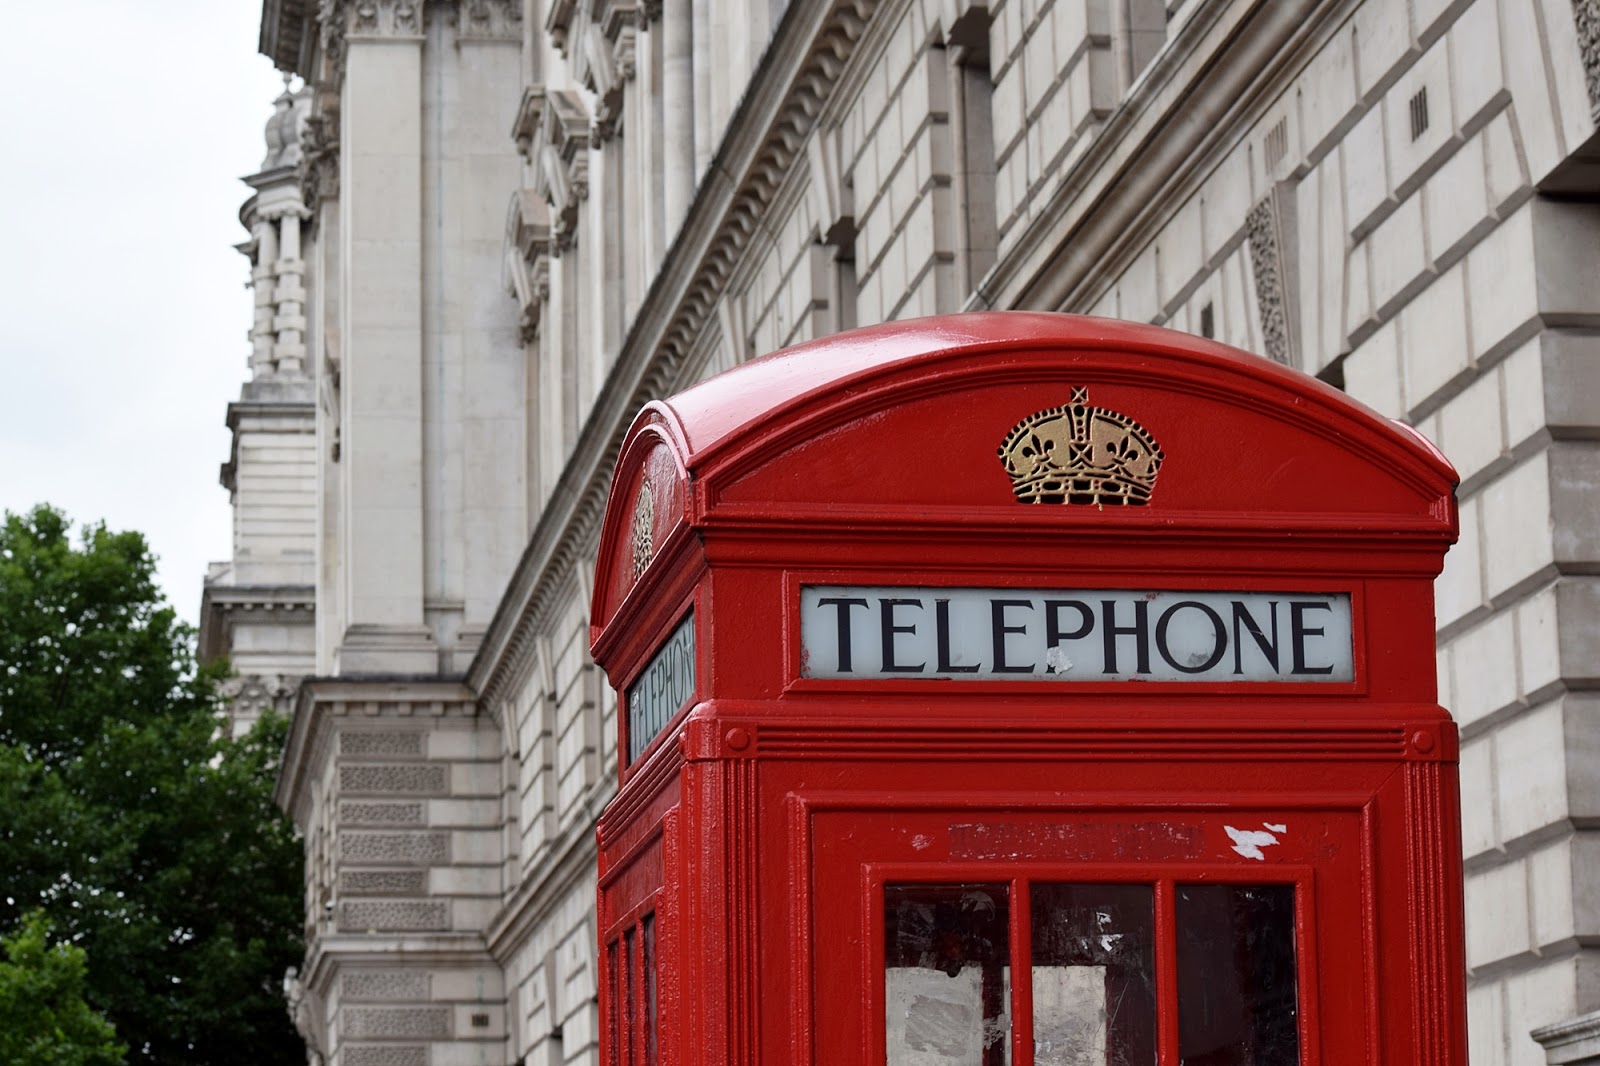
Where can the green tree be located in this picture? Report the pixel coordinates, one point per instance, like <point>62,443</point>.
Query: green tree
<point>43,1018</point>
<point>145,835</point>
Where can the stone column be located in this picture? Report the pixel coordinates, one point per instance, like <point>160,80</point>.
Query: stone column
<point>678,111</point>
<point>704,61</point>
<point>381,310</point>
<point>262,275</point>
<point>477,496</point>
<point>289,295</point>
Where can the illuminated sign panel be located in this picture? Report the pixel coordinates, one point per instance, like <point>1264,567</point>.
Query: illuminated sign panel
<point>1067,635</point>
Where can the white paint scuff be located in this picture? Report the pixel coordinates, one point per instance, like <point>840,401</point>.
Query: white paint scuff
<point>1249,842</point>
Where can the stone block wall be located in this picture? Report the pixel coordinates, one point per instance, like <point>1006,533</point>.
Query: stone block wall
<point>400,792</point>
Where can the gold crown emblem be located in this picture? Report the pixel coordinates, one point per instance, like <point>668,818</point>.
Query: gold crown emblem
<point>1081,454</point>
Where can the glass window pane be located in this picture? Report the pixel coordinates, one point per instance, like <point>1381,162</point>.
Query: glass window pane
<point>613,1031</point>
<point>1237,998</point>
<point>630,1015</point>
<point>947,977</point>
<point>648,934</point>
<point>1094,999</point>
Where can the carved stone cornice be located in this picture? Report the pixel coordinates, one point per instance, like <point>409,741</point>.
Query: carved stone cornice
<point>287,33</point>
<point>1574,1042</point>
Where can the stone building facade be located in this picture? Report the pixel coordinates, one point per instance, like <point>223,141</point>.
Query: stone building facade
<point>491,229</point>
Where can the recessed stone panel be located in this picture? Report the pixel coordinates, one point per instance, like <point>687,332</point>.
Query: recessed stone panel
<point>402,777</point>
<point>383,883</point>
<point>386,848</point>
<point>364,743</point>
<point>425,1023</point>
<point>386,985</point>
<point>394,914</point>
<point>382,813</point>
<point>384,1055</point>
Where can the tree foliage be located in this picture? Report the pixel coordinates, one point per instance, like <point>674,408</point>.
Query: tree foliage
<point>43,1017</point>
<point>145,835</point>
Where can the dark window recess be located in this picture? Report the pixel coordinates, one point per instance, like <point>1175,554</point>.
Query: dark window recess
<point>480,1021</point>
<point>647,941</point>
<point>631,1022</point>
<point>614,1055</point>
<point>1419,113</point>
<point>1208,321</point>
<point>1094,975</point>
<point>1237,995</point>
<point>947,957</point>
<point>630,999</point>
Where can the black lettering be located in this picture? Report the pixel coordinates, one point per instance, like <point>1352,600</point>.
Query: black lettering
<point>1054,635</point>
<point>1219,643</point>
<point>886,609</point>
<point>1140,631</point>
<point>999,631</point>
<point>1269,648</point>
<point>941,629</point>
<point>1299,631</point>
<point>843,603</point>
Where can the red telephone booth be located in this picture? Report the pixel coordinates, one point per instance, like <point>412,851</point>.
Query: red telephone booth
<point>1026,689</point>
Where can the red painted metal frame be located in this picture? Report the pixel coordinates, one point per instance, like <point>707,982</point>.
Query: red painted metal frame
<point>759,825</point>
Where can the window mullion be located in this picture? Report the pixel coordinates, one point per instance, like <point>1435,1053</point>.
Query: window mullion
<point>1021,974</point>
<point>1166,974</point>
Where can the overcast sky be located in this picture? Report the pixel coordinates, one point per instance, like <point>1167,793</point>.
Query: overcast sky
<point>123,312</point>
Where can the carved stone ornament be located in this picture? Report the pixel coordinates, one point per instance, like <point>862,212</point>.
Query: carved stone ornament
<point>319,160</point>
<point>1078,454</point>
<point>1262,232</point>
<point>488,20</point>
<point>1586,14</point>
<point>383,18</point>
<point>255,693</point>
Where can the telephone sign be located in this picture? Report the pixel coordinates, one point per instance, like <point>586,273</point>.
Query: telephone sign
<point>1074,635</point>
<point>1026,690</point>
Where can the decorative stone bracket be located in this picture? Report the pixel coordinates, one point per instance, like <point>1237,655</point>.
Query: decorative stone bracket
<point>558,148</point>
<point>527,272</point>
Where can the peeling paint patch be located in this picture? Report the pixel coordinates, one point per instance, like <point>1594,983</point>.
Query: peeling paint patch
<point>1249,842</point>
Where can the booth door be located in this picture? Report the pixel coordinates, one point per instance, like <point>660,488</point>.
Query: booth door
<point>1178,940</point>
